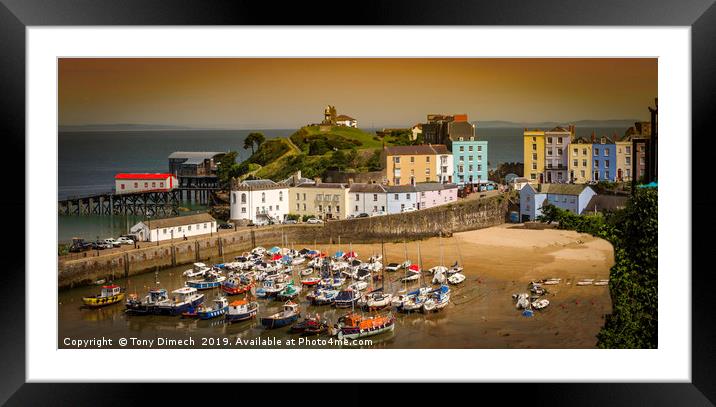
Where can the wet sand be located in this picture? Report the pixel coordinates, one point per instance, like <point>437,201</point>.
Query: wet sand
<point>498,262</point>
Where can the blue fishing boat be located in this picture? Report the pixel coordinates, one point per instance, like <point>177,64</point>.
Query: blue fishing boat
<point>346,298</point>
<point>221,305</point>
<point>211,280</point>
<point>324,296</point>
<point>241,310</point>
<point>145,306</point>
<point>286,317</point>
<point>182,300</point>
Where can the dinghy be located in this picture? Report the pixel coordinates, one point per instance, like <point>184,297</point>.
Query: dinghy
<point>456,278</point>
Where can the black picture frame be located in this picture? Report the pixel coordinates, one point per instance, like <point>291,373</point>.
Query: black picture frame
<point>16,15</point>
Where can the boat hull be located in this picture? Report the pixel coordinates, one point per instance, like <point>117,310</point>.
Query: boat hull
<point>213,313</point>
<point>273,323</point>
<point>204,285</point>
<point>97,302</point>
<point>355,333</point>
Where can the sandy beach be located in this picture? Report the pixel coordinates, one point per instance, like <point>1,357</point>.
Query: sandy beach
<point>502,260</point>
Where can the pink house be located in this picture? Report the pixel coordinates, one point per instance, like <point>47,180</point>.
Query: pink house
<point>431,194</point>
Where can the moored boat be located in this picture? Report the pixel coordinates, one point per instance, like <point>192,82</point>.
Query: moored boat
<point>311,280</point>
<point>289,315</point>
<point>289,292</point>
<point>210,280</point>
<point>220,307</point>
<point>356,326</point>
<point>233,286</point>
<point>438,299</point>
<point>346,298</point>
<point>183,299</point>
<point>146,305</point>
<point>310,326</point>
<point>197,270</point>
<point>241,310</point>
<point>108,295</point>
<point>456,278</point>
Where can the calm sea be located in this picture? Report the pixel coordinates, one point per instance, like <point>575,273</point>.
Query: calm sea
<point>88,162</point>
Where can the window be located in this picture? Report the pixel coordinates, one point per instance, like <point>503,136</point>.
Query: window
<point>320,208</point>
<point>161,185</point>
<point>534,138</point>
<point>606,152</point>
<point>606,174</point>
<point>575,163</point>
<point>243,198</point>
<point>396,160</point>
<point>479,167</point>
<point>146,185</point>
<point>270,207</point>
<point>628,173</point>
<point>584,163</point>
<point>559,140</point>
<point>549,151</point>
<point>470,168</point>
<point>533,176</point>
<point>534,147</point>
<point>559,151</point>
<point>576,151</point>
<point>534,166</point>
<point>427,171</point>
<point>396,181</point>
<point>298,207</point>
<point>596,151</point>
<point>469,148</point>
<point>596,163</point>
<point>582,173</point>
<point>280,196</point>
<point>549,140</point>
<point>460,168</point>
<point>534,156</point>
<point>121,186</point>
<point>412,159</point>
<point>165,231</point>
<point>402,206</point>
<point>397,197</point>
<point>479,148</point>
<point>627,160</point>
<point>304,207</point>
<point>154,184</point>
<point>356,208</point>
<point>375,197</point>
<point>407,197</point>
<point>462,149</point>
<point>189,227</point>
<point>627,150</point>
<point>304,196</point>
<point>427,159</point>
<point>479,158</point>
<point>243,209</point>
<point>606,163</point>
<point>584,151</point>
<point>357,197</point>
<point>263,197</point>
<point>298,196</point>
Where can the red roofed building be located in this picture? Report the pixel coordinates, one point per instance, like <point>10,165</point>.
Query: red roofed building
<point>128,183</point>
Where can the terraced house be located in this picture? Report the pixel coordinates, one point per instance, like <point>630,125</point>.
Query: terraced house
<point>367,198</point>
<point>604,163</point>
<point>323,200</point>
<point>258,201</point>
<point>556,157</point>
<point>580,160</point>
<point>570,197</point>
<point>408,165</point>
<point>470,160</point>
<point>533,150</point>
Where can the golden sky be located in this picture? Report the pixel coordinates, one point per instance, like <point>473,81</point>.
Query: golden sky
<point>287,93</point>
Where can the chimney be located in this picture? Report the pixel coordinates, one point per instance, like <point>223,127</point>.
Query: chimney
<point>350,181</point>
<point>539,187</point>
<point>296,177</point>
<point>594,136</point>
<point>317,180</point>
<point>572,130</point>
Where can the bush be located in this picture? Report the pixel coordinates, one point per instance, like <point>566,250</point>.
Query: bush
<point>293,216</point>
<point>633,232</point>
<point>307,217</point>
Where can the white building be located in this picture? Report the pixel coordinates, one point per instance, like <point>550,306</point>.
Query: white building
<point>343,120</point>
<point>152,230</point>
<point>444,167</point>
<point>401,197</point>
<point>571,197</point>
<point>367,198</point>
<point>259,200</point>
<point>125,183</point>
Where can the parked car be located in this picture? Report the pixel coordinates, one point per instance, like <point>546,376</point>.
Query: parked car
<point>290,221</point>
<point>133,237</point>
<point>314,221</point>
<point>408,209</point>
<point>113,242</point>
<point>79,245</point>
<point>362,215</point>
<point>226,226</point>
<point>101,245</point>
<point>125,240</point>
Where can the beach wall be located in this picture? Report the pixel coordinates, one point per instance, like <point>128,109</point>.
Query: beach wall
<point>469,214</point>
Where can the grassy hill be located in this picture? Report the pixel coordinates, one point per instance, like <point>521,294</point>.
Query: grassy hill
<point>313,141</point>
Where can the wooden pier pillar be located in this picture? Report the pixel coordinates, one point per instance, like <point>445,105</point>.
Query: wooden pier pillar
<point>126,265</point>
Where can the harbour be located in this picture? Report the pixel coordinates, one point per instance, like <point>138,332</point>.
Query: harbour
<point>497,262</point>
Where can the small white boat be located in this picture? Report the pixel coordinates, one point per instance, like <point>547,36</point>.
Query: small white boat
<point>297,261</point>
<point>375,258</point>
<point>456,278</point>
<point>456,268</point>
<point>438,269</point>
<point>540,304</point>
<point>601,282</point>
<point>523,300</point>
<point>378,300</point>
<point>411,277</point>
<point>439,278</point>
<point>392,267</point>
<point>358,285</point>
<point>198,269</point>
<point>307,272</point>
<point>406,264</point>
<point>585,282</point>
<point>259,251</point>
<point>552,281</point>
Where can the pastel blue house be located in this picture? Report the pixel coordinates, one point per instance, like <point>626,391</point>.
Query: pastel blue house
<point>570,197</point>
<point>400,197</point>
<point>470,160</point>
<point>604,160</point>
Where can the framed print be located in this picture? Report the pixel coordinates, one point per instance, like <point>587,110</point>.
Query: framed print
<point>468,203</point>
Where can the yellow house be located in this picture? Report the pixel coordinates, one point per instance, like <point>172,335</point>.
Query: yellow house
<point>408,165</point>
<point>580,160</point>
<point>533,155</point>
<point>323,200</point>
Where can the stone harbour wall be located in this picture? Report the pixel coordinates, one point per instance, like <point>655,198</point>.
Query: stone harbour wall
<point>469,214</point>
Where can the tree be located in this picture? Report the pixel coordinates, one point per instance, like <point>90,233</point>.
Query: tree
<point>254,138</point>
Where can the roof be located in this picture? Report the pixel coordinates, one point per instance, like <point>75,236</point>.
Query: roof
<point>422,149</point>
<point>561,189</point>
<point>400,188</point>
<point>344,117</point>
<point>179,221</point>
<point>367,188</point>
<point>334,185</point>
<point>606,202</point>
<point>558,129</point>
<point>161,176</point>
<point>433,186</point>
<point>195,154</point>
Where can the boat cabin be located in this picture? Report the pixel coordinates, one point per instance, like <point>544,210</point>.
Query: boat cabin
<point>239,305</point>
<point>157,295</point>
<point>183,294</point>
<point>290,306</point>
<point>110,290</point>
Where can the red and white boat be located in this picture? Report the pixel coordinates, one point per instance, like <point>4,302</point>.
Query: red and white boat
<point>311,280</point>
